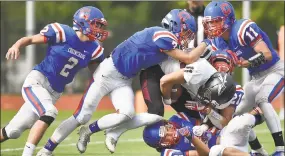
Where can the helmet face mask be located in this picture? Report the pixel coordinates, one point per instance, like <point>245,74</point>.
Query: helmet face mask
<point>162,134</point>
<point>185,37</point>
<point>98,29</point>
<point>214,27</point>
<point>223,61</point>
<point>169,135</point>
<point>218,18</point>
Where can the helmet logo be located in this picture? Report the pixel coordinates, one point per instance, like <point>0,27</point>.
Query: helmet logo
<point>84,13</point>
<point>207,94</point>
<point>225,9</point>
<point>222,86</point>
<point>183,15</point>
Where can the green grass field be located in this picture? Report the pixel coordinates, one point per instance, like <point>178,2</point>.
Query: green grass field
<point>131,143</point>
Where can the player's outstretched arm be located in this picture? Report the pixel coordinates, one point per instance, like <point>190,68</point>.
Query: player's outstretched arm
<point>201,148</point>
<point>168,81</point>
<point>253,38</point>
<point>187,58</point>
<point>14,51</point>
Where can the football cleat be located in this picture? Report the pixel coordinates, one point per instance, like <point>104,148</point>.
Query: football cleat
<point>110,143</point>
<point>84,138</point>
<point>44,152</point>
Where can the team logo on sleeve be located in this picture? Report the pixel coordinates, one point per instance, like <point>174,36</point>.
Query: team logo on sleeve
<point>225,9</point>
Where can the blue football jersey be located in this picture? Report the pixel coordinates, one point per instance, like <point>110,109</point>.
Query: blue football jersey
<point>66,55</point>
<point>243,37</point>
<point>181,149</point>
<point>217,43</point>
<point>237,96</point>
<point>142,50</point>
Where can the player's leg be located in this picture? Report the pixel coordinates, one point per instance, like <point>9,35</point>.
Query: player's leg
<point>270,88</point>
<point>248,101</point>
<point>124,111</point>
<point>64,129</point>
<point>237,131</point>
<point>254,143</point>
<point>149,80</point>
<point>219,150</point>
<point>35,92</point>
<point>24,119</point>
<point>150,85</point>
<point>139,120</point>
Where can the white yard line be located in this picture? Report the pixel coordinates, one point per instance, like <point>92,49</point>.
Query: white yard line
<point>73,144</point>
<point>262,131</point>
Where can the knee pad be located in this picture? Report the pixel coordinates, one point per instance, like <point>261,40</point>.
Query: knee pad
<point>245,120</point>
<point>83,120</point>
<point>47,119</point>
<point>11,133</point>
<point>217,150</point>
<point>52,112</point>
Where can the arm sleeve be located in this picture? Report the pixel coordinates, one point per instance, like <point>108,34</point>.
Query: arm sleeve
<point>54,33</point>
<point>165,40</point>
<point>98,55</point>
<point>249,33</point>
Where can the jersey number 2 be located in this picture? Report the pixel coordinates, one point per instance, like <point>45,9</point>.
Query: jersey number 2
<point>73,62</point>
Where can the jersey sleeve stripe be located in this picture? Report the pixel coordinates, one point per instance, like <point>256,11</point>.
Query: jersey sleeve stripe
<point>183,116</point>
<point>98,52</point>
<point>62,32</point>
<point>256,40</point>
<point>241,31</point>
<point>58,32</point>
<point>213,45</point>
<point>160,34</point>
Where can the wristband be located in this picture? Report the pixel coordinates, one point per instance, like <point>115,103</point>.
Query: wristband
<point>174,90</point>
<point>167,101</point>
<point>257,60</point>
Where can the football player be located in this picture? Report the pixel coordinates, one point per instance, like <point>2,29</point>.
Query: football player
<point>166,138</point>
<point>254,51</point>
<point>114,76</point>
<point>69,50</point>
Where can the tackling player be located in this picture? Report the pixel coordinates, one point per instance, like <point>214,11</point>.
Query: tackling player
<point>114,75</point>
<point>69,50</point>
<point>166,138</point>
<point>255,52</point>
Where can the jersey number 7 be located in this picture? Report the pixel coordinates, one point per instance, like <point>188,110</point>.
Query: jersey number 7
<point>73,62</point>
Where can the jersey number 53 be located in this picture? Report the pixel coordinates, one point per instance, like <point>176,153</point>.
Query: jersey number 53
<point>64,72</point>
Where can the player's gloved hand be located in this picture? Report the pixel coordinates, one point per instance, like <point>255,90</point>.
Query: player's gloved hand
<point>199,130</point>
<point>186,132</point>
<point>13,53</point>
<point>193,105</point>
